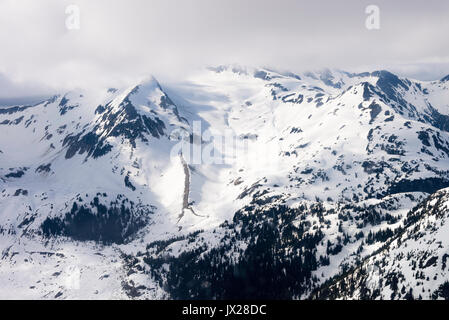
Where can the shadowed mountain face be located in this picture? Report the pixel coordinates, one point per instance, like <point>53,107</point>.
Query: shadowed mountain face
<point>341,174</point>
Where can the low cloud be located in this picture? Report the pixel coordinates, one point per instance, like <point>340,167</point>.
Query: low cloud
<point>119,40</point>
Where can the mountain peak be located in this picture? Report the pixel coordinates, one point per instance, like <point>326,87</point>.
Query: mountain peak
<point>335,161</point>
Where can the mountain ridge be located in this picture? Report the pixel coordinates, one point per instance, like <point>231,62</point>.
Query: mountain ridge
<point>333,165</point>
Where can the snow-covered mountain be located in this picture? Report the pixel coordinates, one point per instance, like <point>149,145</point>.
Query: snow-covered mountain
<point>323,185</point>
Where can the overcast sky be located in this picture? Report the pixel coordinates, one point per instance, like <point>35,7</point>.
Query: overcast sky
<point>120,40</point>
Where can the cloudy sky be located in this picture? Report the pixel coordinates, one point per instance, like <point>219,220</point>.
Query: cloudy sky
<point>120,40</point>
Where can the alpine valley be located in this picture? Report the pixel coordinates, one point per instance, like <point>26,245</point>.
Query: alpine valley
<point>340,195</point>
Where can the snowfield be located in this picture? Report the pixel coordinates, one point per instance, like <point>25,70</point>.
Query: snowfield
<point>237,182</point>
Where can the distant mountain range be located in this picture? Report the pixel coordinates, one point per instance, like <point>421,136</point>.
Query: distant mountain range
<point>333,188</point>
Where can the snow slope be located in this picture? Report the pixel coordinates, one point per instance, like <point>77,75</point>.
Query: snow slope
<point>324,166</point>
